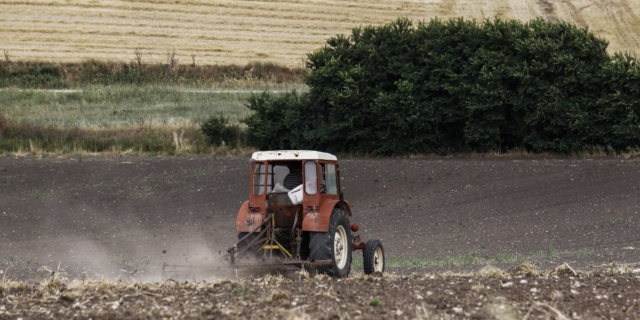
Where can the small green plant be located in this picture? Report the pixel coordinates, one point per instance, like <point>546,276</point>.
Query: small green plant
<point>615,221</point>
<point>140,192</point>
<point>240,290</point>
<point>8,181</point>
<point>357,262</point>
<point>549,253</point>
<point>375,302</point>
<point>586,252</point>
<point>36,194</point>
<point>509,258</point>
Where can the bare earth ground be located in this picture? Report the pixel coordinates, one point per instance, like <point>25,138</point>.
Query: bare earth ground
<point>109,216</point>
<point>512,296</point>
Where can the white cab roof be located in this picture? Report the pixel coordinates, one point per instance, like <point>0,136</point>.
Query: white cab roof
<point>292,155</point>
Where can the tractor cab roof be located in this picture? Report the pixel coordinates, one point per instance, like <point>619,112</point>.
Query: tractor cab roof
<point>289,155</point>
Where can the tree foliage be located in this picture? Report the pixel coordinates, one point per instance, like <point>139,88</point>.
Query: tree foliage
<point>456,86</point>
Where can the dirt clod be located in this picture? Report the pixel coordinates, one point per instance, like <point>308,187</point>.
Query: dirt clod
<point>527,269</point>
<point>280,296</point>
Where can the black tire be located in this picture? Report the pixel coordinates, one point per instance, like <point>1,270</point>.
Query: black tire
<point>323,246</point>
<point>373,255</point>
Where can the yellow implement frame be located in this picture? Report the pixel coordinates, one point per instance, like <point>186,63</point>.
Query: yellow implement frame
<point>273,244</point>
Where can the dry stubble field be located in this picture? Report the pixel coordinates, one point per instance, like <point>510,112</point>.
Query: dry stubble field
<point>236,32</point>
<point>445,224</point>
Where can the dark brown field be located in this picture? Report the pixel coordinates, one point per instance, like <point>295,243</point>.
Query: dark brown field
<point>110,216</point>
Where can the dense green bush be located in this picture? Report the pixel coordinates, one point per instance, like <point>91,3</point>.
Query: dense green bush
<point>220,132</point>
<point>457,86</point>
<point>281,122</point>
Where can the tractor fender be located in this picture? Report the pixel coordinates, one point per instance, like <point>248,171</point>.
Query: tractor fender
<point>319,221</point>
<point>246,222</point>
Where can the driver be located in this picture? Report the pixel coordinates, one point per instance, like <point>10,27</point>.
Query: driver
<point>293,179</point>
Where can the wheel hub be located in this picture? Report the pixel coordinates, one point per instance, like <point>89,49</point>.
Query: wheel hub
<point>340,247</point>
<point>378,264</point>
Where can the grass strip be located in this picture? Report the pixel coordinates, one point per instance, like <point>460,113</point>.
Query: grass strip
<point>472,259</point>
<point>28,139</point>
<point>121,106</point>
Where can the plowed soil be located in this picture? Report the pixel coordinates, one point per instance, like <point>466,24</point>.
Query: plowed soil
<point>488,294</point>
<point>119,217</point>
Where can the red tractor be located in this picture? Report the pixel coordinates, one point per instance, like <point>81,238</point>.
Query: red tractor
<point>296,215</point>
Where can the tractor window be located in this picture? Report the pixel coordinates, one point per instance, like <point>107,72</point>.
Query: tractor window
<point>310,177</point>
<point>279,172</point>
<point>329,179</point>
<point>259,178</point>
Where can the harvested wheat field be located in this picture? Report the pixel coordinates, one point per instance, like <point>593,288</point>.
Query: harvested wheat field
<point>236,32</point>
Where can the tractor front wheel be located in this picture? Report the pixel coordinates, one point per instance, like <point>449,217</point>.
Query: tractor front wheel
<point>334,245</point>
<point>373,257</point>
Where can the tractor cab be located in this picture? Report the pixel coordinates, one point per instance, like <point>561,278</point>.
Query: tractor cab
<point>291,184</point>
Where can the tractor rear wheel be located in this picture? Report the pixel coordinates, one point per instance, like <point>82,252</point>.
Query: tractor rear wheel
<point>373,257</point>
<point>334,245</point>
